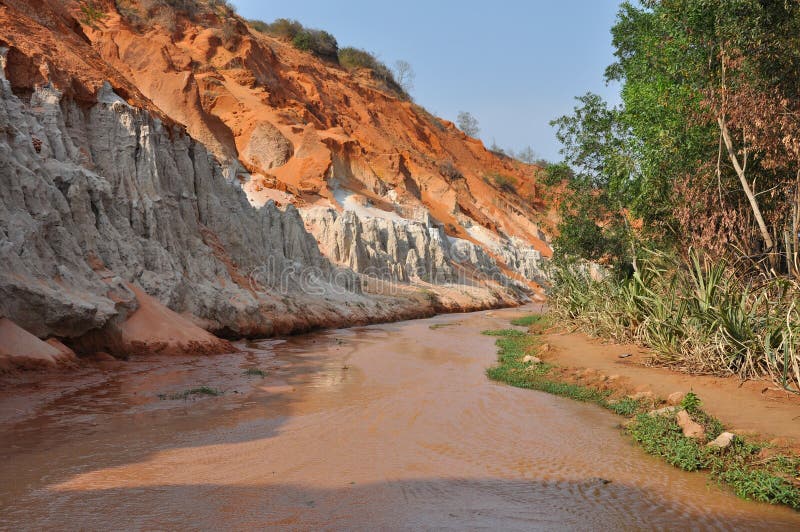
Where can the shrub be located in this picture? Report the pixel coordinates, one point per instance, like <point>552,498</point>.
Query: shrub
<point>449,171</point>
<point>319,42</point>
<point>353,58</point>
<point>281,28</point>
<point>91,15</point>
<point>144,14</point>
<point>696,315</point>
<point>506,183</point>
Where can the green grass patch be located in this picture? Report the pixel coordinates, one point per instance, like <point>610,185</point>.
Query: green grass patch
<point>504,332</point>
<point>513,345</point>
<point>527,321</point>
<point>255,372</point>
<point>773,480</point>
<point>440,325</point>
<point>201,390</point>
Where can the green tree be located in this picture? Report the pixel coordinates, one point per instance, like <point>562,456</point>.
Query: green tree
<point>600,171</point>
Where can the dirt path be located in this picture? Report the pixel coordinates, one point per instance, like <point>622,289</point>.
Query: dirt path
<point>755,407</point>
<point>388,426</point>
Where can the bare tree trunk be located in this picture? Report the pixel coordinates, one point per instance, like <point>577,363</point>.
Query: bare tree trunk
<point>762,226</point>
<point>795,224</point>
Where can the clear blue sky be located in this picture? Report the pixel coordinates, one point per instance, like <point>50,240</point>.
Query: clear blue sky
<point>514,64</point>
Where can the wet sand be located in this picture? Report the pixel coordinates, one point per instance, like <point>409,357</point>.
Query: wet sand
<point>388,426</point>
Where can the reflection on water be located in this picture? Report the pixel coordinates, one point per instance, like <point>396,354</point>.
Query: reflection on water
<point>391,426</point>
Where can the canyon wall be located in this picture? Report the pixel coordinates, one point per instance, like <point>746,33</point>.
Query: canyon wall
<point>122,233</point>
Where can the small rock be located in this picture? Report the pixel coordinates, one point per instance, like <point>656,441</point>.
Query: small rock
<point>691,428</point>
<point>625,355</point>
<point>530,359</point>
<point>675,398</point>
<point>723,441</point>
<point>544,348</point>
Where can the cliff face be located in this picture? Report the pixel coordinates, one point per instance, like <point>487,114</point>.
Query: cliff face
<point>121,227</point>
<point>299,129</point>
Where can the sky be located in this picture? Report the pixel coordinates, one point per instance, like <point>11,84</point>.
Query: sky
<point>514,64</point>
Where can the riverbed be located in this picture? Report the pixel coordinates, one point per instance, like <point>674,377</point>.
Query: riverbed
<point>390,426</point>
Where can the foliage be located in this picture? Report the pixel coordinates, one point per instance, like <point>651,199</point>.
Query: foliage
<point>318,42</point>
<point>702,317</point>
<point>468,123</point>
<point>690,69</point>
<point>144,14</point>
<point>661,436</point>
<point>506,183</point>
<point>701,165</point>
<point>354,58</point>
<point>691,402</point>
<point>527,321</point>
<point>281,28</point>
<point>255,372</point>
<point>449,171</point>
<point>598,170</point>
<point>556,174</point>
<point>91,15</point>
<point>738,466</point>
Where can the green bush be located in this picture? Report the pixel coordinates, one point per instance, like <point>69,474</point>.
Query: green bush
<point>281,28</point>
<point>143,15</point>
<point>318,42</point>
<point>506,183</point>
<point>354,58</point>
<point>91,15</point>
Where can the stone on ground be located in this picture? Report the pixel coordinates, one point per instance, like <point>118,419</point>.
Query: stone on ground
<point>691,428</point>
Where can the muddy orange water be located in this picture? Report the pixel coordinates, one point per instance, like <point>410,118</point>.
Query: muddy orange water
<point>389,426</point>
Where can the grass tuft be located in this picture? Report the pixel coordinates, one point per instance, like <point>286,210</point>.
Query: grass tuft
<point>255,372</point>
<point>527,321</point>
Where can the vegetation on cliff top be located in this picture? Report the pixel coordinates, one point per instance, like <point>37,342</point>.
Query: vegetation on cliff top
<point>324,45</point>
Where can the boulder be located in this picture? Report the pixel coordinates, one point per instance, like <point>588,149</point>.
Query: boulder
<point>530,359</point>
<point>691,428</point>
<point>723,441</point>
<point>675,398</point>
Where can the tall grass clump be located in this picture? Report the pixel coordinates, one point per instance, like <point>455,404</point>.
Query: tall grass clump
<point>696,315</point>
